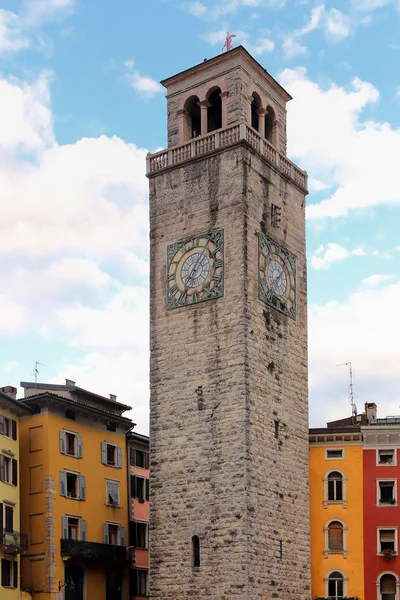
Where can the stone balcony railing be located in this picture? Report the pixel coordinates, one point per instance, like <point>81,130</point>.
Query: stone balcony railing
<point>220,139</point>
<point>105,553</point>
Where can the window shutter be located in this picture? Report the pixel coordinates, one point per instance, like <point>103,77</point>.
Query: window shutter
<point>146,460</point>
<point>133,486</point>
<point>63,483</point>
<point>119,457</point>
<point>83,530</point>
<point>1,522</point>
<point>14,466</point>
<point>64,527</point>
<point>15,572</point>
<point>387,535</point>
<point>388,584</point>
<point>80,446</point>
<point>335,535</point>
<point>82,487</point>
<point>3,571</point>
<point>1,424</point>
<point>122,536</point>
<point>132,455</point>
<point>104,453</point>
<point>62,442</point>
<point>134,529</point>
<point>2,468</point>
<point>14,429</point>
<point>105,533</point>
<point>115,487</point>
<point>147,489</point>
<point>9,519</point>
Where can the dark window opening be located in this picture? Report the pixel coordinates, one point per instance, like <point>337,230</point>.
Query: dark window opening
<point>73,527</point>
<point>334,453</point>
<point>72,485</point>
<point>386,457</point>
<point>111,427</point>
<point>140,459</point>
<point>9,518</point>
<point>139,582</point>
<point>111,453</point>
<point>387,587</point>
<point>269,124</point>
<point>70,442</point>
<point>113,534</point>
<point>335,537</point>
<point>275,215</point>
<point>139,487</point>
<point>69,414</point>
<point>254,113</point>
<point>386,492</point>
<point>193,117</point>
<point>335,585</point>
<point>9,573</point>
<point>335,487</point>
<point>276,433</point>
<point>214,111</point>
<point>387,540</point>
<point>196,550</point>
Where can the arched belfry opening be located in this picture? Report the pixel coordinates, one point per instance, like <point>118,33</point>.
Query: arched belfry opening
<point>270,125</point>
<point>214,111</point>
<point>196,551</point>
<point>255,107</point>
<point>192,108</point>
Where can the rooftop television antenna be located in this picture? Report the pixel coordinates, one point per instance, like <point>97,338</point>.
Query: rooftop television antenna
<point>351,392</point>
<point>36,371</point>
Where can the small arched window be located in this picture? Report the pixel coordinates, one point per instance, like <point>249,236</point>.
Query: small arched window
<point>196,550</point>
<point>269,124</point>
<point>387,587</point>
<point>255,107</point>
<point>192,107</point>
<point>335,537</point>
<point>214,111</point>
<point>336,585</point>
<point>335,487</point>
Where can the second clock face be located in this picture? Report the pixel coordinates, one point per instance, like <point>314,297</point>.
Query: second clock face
<point>195,269</point>
<point>277,276</point>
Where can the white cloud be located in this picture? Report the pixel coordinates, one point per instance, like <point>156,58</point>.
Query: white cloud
<point>14,317</point>
<point>292,48</point>
<point>140,83</point>
<point>11,37</point>
<point>38,12</point>
<point>360,160</point>
<point>263,45</point>
<point>375,280</point>
<point>197,9</point>
<point>325,256</point>
<point>337,25</point>
<point>315,19</point>
<point>314,185</point>
<point>215,37</point>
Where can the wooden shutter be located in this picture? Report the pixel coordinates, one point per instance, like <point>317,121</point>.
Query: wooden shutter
<point>4,577</point>
<point>122,536</point>
<point>335,536</point>
<point>83,530</point>
<point>119,457</point>
<point>2,468</point>
<point>104,453</point>
<point>62,442</point>
<point>82,487</point>
<point>63,483</point>
<point>14,471</point>
<point>1,522</point>
<point>133,486</point>
<point>105,533</point>
<point>146,460</point>
<point>15,573</point>
<point>147,489</point>
<point>80,446</point>
<point>14,429</point>
<point>134,530</point>
<point>64,527</point>
<point>1,424</point>
<point>388,584</point>
<point>387,535</point>
<point>132,455</point>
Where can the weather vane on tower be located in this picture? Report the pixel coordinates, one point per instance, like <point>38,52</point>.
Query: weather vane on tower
<point>228,41</point>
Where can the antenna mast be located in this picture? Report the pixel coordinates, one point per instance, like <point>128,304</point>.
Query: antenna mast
<point>351,392</point>
<point>36,371</point>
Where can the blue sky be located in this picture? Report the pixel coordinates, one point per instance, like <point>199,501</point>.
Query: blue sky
<point>80,106</point>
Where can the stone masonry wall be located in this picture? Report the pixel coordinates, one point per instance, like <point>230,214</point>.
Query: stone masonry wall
<point>220,473</point>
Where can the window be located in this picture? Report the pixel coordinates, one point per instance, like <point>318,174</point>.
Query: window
<point>112,490</point>
<point>196,551</point>
<point>275,215</point>
<point>8,518</point>
<point>335,537</point>
<point>70,414</point>
<point>8,427</point>
<point>139,534</point>
<point>140,458</point>
<point>387,542</point>
<point>386,493</point>
<point>139,583</point>
<point>335,487</point>
<point>111,427</point>
<point>335,585</point>
<point>73,528</point>
<point>8,470</point>
<point>193,118</point>
<point>140,488</point>
<point>111,455</point>
<point>9,573</point>
<point>334,454</point>
<point>386,457</point>
<point>214,111</point>
<point>71,444</point>
<point>269,125</point>
<point>114,534</point>
<point>255,110</point>
<point>72,485</point>
<point>387,587</point>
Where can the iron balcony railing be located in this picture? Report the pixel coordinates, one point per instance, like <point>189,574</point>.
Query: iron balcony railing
<point>95,551</point>
<point>14,542</point>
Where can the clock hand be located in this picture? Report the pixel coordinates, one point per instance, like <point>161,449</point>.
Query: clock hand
<point>191,275</point>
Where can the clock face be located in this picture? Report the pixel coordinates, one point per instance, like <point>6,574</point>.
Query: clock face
<point>277,276</point>
<point>195,269</point>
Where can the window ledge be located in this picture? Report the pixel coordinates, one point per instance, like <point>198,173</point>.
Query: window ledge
<point>386,505</point>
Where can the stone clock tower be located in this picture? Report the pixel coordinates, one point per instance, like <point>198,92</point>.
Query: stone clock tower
<point>229,414</point>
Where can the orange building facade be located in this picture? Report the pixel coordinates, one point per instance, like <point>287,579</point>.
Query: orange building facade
<point>139,513</point>
<point>336,492</point>
<point>74,494</point>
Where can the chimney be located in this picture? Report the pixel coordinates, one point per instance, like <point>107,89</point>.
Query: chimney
<point>113,397</point>
<point>70,383</point>
<point>10,391</point>
<point>370,411</point>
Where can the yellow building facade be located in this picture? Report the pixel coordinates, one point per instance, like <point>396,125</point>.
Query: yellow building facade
<point>12,541</point>
<point>336,509</point>
<point>74,494</point>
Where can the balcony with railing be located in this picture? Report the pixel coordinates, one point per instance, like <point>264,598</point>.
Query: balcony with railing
<point>220,139</point>
<point>13,542</point>
<point>95,551</point>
